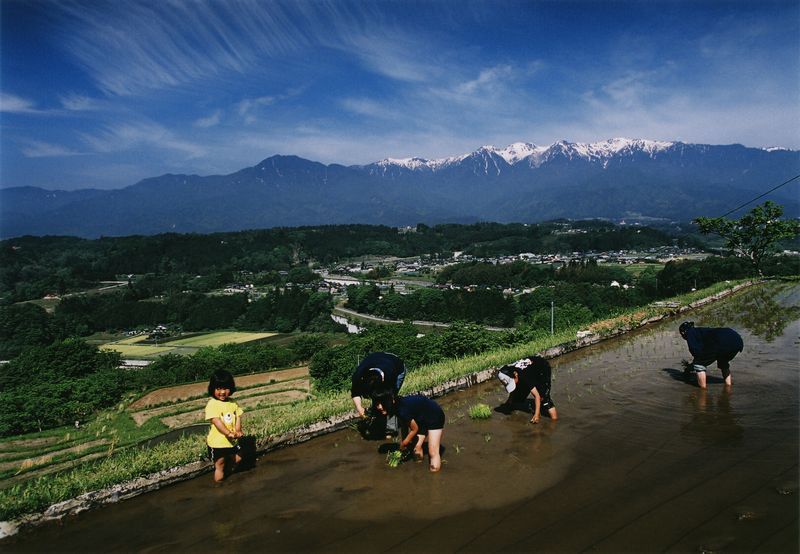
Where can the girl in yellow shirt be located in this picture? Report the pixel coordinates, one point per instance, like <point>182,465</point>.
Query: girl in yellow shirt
<point>226,423</point>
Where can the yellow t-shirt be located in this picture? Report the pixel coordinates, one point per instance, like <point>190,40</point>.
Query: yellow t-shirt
<point>228,412</point>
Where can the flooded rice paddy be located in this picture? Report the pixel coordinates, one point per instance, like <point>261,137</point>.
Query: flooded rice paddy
<point>639,461</point>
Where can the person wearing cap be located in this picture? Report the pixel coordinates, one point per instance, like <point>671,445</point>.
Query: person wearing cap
<point>378,370</point>
<point>710,344</point>
<point>528,376</point>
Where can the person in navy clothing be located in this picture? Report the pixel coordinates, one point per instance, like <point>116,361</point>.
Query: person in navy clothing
<point>710,344</point>
<point>424,418</point>
<point>378,371</point>
<point>531,376</point>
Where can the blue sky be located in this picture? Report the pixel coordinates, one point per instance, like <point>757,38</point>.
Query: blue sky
<point>100,94</point>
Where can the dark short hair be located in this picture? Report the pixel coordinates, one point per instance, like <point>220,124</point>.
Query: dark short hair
<point>385,397</point>
<point>221,379</point>
<point>685,326</point>
<point>538,363</point>
<point>372,381</point>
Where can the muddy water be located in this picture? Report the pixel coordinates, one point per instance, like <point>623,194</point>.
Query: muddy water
<point>640,461</point>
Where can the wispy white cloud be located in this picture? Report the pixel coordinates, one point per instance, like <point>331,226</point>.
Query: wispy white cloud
<point>79,103</point>
<point>247,108</point>
<point>373,108</point>
<point>11,103</point>
<point>633,89</point>
<point>487,80</point>
<point>126,136</point>
<point>140,45</point>
<point>209,121</point>
<point>399,55</point>
<point>38,149</point>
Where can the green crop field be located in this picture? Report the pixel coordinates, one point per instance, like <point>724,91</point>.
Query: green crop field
<point>132,347</point>
<point>137,351</point>
<point>221,337</point>
<point>637,268</point>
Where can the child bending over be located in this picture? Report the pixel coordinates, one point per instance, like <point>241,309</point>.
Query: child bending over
<point>425,420</point>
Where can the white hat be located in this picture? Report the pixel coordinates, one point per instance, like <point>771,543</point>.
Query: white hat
<point>523,363</point>
<point>507,380</point>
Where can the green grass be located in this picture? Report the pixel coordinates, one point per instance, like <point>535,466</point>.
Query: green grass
<point>128,463</point>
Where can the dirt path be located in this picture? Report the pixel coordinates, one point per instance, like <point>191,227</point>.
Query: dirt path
<point>183,392</point>
<point>245,398</point>
<point>247,404</point>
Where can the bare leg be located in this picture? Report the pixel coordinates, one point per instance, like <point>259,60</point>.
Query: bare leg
<point>434,442</point>
<point>219,470</point>
<point>553,413</point>
<point>418,455</point>
<point>701,379</point>
<point>726,374</point>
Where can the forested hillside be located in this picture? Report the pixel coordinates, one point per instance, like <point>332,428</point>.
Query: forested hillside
<point>31,267</point>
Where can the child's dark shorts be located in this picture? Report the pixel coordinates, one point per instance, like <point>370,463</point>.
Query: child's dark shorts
<point>435,423</point>
<point>215,454</point>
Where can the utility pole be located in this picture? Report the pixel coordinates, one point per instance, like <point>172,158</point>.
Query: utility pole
<point>552,316</point>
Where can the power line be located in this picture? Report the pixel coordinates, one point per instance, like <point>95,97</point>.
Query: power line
<point>761,195</point>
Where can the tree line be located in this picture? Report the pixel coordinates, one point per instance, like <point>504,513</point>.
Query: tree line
<point>284,310</point>
<point>578,292</point>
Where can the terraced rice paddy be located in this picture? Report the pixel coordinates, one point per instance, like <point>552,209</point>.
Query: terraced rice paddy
<point>170,407</point>
<point>183,405</point>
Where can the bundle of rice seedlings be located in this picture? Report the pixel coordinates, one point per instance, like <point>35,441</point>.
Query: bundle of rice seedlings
<point>480,411</point>
<point>394,458</point>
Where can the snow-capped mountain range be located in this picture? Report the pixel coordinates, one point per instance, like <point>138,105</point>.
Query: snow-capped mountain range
<point>535,155</point>
<point>616,178</point>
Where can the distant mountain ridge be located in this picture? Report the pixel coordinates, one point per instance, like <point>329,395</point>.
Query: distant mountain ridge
<point>537,155</point>
<point>618,178</point>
